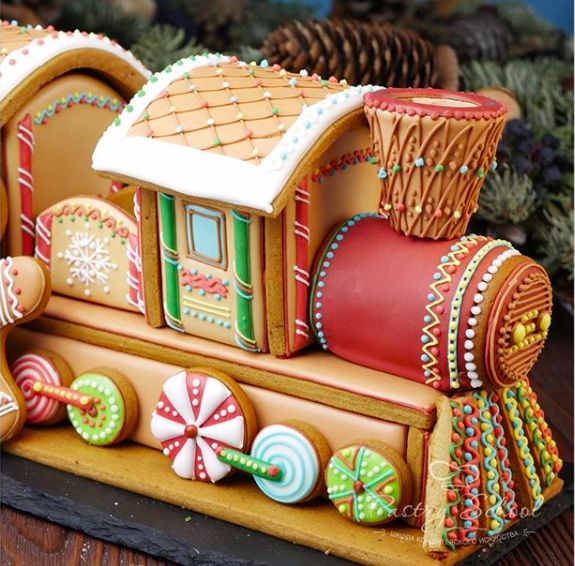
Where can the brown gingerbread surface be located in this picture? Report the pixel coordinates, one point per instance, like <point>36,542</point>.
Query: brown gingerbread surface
<point>233,109</point>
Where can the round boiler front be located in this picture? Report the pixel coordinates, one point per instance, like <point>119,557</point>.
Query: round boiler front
<point>454,314</point>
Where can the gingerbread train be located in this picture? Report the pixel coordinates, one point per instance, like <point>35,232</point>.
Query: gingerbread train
<point>277,271</point>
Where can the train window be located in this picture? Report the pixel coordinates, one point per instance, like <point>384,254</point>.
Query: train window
<point>206,234</point>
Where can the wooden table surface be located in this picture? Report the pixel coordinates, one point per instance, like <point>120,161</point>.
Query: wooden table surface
<point>27,540</point>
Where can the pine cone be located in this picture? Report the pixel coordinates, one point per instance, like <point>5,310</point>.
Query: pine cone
<point>483,37</point>
<point>360,52</point>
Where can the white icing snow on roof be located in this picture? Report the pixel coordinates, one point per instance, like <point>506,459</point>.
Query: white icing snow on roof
<point>22,62</point>
<point>201,174</point>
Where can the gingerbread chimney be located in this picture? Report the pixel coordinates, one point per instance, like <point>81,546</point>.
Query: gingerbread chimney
<point>435,148</point>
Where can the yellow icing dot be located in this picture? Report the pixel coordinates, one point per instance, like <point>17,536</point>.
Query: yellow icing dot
<point>490,438</point>
<point>490,475</point>
<point>492,499</point>
<point>484,426</point>
<point>519,333</point>
<point>545,321</point>
<point>387,489</point>
<point>488,451</point>
<point>387,207</point>
<point>485,414</point>
<point>493,463</point>
<point>456,214</point>
<point>494,524</point>
<point>496,487</point>
<point>418,209</point>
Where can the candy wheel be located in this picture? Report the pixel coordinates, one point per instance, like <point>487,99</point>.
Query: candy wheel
<point>50,369</point>
<point>102,406</point>
<point>300,452</point>
<point>368,482</point>
<point>199,412</point>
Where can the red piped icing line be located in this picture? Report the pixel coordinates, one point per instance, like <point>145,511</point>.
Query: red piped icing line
<point>26,183</point>
<point>301,272</point>
<point>200,281</point>
<point>44,237</point>
<point>400,101</point>
<point>470,504</point>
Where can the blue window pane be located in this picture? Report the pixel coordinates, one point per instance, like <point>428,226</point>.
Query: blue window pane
<point>206,234</point>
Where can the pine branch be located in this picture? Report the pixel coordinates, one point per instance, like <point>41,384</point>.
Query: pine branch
<point>162,45</point>
<point>101,17</point>
<point>553,231</point>
<point>506,197</point>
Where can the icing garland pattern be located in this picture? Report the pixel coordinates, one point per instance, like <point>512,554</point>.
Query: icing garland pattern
<point>27,370</point>
<point>10,308</point>
<point>342,163</point>
<point>538,432</point>
<point>71,100</point>
<point>470,513</point>
<point>507,483</point>
<point>363,485</point>
<point>205,282</point>
<point>453,481</point>
<point>441,284</point>
<point>525,457</point>
<point>295,455</point>
<point>195,416</point>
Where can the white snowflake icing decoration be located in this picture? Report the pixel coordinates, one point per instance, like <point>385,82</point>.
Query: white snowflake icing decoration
<point>89,260</point>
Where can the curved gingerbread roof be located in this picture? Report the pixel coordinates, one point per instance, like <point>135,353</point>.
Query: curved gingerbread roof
<point>215,128</point>
<point>32,56</point>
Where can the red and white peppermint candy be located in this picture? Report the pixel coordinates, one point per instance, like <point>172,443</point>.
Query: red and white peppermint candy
<point>28,369</point>
<point>195,415</point>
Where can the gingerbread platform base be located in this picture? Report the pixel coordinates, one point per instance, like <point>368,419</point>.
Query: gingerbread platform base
<point>237,501</point>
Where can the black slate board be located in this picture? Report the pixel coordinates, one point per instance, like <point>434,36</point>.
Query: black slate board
<point>182,536</point>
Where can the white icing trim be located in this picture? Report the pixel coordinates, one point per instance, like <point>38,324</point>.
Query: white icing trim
<point>202,174</point>
<point>34,55</point>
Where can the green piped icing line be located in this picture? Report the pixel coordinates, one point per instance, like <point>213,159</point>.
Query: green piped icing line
<point>250,465</point>
<point>244,330</point>
<point>457,303</point>
<point>170,261</point>
<point>525,458</point>
<point>494,499</point>
<point>534,433</point>
<point>102,102</point>
<point>455,448</point>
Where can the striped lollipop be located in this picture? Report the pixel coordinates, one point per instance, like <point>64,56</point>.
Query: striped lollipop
<point>49,369</point>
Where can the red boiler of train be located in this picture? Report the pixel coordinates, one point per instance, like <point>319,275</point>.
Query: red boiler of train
<point>462,313</point>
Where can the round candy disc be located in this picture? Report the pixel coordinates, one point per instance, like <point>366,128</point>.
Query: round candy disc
<point>366,484</point>
<point>296,454</point>
<point>47,368</point>
<point>195,415</point>
<point>103,423</point>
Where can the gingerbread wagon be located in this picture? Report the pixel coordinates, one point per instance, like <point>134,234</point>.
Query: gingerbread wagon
<point>58,92</point>
<point>284,317</point>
